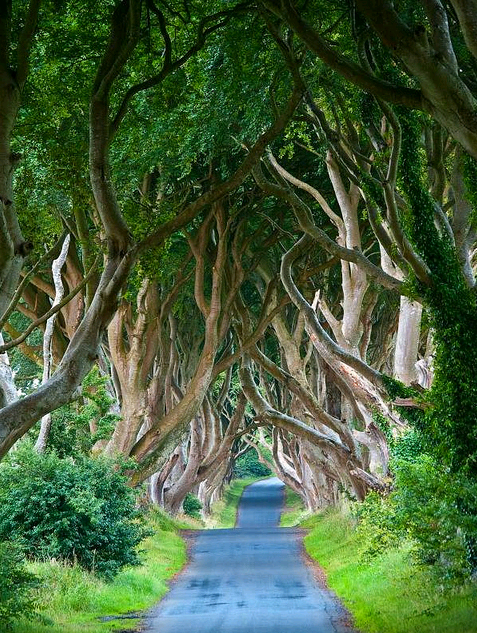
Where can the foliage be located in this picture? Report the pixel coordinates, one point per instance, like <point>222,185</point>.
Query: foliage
<point>247,465</point>
<point>408,446</point>
<point>438,510</point>
<point>294,510</point>
<point>386,594</point>
<point>16,585</point>
<point>71,510</point>
<point>377,528</point>
<point>73,600</point>
<point>192,506</point>
<point>451,423</point>
<point>430,507</point>
<point>72,425</point>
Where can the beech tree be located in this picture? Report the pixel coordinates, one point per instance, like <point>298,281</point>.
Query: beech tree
<point>107,108</point>
<point>252,223</point>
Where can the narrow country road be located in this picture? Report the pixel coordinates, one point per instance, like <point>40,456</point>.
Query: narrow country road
<point>251,579</point>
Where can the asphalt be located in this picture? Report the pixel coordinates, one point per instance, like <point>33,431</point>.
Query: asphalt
<point>252,579</point>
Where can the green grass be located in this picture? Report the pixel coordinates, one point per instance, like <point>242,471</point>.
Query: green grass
<point>224,511</point>
<point>73,599</point>
<point>389,594</point>
<point>294,511</point>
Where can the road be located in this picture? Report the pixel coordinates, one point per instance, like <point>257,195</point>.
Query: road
<point>252,579</point>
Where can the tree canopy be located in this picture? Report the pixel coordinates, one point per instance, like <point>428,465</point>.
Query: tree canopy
<point>236,226</point>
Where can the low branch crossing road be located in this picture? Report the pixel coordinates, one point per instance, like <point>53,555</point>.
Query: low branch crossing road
<point>252,579</point>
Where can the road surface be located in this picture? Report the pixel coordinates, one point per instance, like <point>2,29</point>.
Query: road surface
<point>251,579</point>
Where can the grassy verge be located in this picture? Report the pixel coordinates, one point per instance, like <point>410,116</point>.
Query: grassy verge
<point>388,595</point>
<point>73,600</point>
<point>224,511</point>
<point>294,511</point>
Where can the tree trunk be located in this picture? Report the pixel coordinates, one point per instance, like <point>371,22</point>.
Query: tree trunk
<point>407,341</point>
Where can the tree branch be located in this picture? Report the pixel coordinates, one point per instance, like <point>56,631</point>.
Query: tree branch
<point>25,41</point>
<point>56,308</point>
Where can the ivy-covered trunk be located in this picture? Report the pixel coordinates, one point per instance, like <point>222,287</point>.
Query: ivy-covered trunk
<point>451,421</point>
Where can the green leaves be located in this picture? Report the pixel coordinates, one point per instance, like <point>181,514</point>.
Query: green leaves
<point>78,510</point>
<point>17,597</point>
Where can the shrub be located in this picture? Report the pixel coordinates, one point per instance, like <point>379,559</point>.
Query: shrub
<point>247,465</point>
<point>438,510</point>
<point>71,510</point>
<point>17,597</point>
<point>430,506</point>
<point>377,525</point>
<point>192,506</point>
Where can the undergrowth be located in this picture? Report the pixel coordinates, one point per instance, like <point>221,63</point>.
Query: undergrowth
<point>387,593</point>
<point>294,510</point>
<point>73,600</point>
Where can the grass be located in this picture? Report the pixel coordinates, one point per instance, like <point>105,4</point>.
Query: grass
<point>389,594</point>
<point>294,511</point>
<point>72,600</point>
<point>224,511</point>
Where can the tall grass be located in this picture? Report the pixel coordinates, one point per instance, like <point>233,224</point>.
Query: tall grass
<point>388,594</point>
<point>73,600</point>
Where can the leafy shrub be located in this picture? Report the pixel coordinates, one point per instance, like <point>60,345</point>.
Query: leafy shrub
<point>247,465</point>
<point>71,510</point>
<point>377,526</point>
<point>408,447</point>
<point>438,510</point>
<point>430,506</point>
<point>16,585</point>
<point>192,506</point>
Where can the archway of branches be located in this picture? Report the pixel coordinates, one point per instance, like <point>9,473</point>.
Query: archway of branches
<point>239,228</point>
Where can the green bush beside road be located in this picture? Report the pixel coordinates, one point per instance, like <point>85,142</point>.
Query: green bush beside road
<point>79,510</point>
<point>73,600</point>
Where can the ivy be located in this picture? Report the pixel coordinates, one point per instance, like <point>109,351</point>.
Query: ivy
<point>451,422</point>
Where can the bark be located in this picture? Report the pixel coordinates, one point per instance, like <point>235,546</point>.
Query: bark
<point>266,413</point>
<point>13,248</point>
<point>8,390</point>
<point>83,350</point>
<point>56,267</point>
<point>407,341</point>
<point>467,13</point>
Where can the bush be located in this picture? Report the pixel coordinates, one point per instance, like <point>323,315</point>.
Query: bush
<point>192,506</point>
<point>377,527</point>
<point>17,598</point>
<point>247,465</point>
<point>430,506</point>
<point>70,510</point>
<point>438,510</point>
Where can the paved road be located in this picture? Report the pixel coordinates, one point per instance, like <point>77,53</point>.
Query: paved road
<point>248,580</point>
